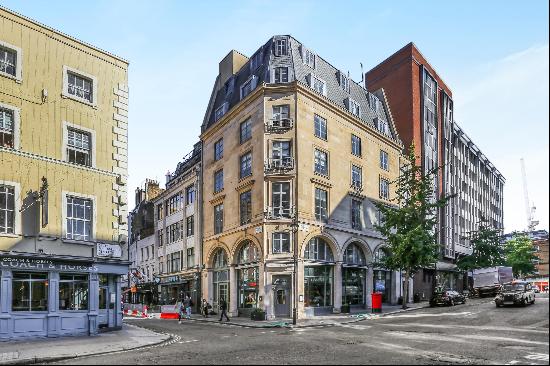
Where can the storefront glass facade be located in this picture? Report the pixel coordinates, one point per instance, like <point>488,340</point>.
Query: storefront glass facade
<point>353,286</point>
<point>318,278</point>
<point>220,278</point>
<point>248,276</point>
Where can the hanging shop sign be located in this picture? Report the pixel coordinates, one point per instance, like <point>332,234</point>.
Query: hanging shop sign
<point>109,250</point>
<point>44,264</point>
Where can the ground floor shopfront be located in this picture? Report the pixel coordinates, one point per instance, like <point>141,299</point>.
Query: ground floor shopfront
<point>47,296</point>
<point>173,288</point>
<point>325,282</point>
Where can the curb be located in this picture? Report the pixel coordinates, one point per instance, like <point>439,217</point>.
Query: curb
<point>36,360</point>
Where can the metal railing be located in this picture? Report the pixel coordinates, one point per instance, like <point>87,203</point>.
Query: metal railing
<point>273,213</point>
<point>279,165</point>
<point>279,125</point>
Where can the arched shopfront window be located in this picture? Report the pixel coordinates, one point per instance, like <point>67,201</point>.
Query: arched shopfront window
<point>248,275</point>
<point>318,279</point>
<point>220,280</point>
<point>354,255</point>
<point>317,249</point>
<point>248,253</point>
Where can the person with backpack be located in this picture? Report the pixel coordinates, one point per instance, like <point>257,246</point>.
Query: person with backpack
<point>223,309</point>
<point>180,312</point>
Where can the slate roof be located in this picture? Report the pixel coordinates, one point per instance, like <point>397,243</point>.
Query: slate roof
<point>299,71</point>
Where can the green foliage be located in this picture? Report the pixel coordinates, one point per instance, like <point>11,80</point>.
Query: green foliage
<point>487,250</point>
<point>409,224</point>
<point>520,255</point>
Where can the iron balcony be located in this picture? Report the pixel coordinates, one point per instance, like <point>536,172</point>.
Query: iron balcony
<point>274,213</point>
<point>280,125</point>
<point>279,165</point>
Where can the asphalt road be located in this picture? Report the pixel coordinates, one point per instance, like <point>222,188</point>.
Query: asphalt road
<point>474,333</point>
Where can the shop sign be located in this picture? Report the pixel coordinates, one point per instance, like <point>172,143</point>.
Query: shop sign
<point>109,250</point>
<point>44,264</point>
<point>170,279</point>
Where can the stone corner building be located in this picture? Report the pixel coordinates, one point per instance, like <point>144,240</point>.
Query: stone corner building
<point>63,169</point>
<point>295,153</point>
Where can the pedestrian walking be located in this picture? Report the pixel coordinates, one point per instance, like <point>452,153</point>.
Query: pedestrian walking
<point>204,308</point>
<point>180,312</point>
<point>187,304</point>
<point>223,309</point>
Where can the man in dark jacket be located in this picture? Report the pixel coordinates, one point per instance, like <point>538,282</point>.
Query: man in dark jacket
<point>223,309</point>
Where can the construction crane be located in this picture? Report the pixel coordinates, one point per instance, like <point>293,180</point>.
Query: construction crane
<point>529,208</point>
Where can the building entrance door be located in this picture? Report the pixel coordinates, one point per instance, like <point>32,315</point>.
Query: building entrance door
<point>221,291</point>
<point>281,295</point>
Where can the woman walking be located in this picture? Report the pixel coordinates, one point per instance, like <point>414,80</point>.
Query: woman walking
<point>223,309</point>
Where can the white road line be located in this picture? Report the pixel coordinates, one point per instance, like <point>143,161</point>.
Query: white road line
<point>501,339</point>
<point>476,327</point>
<point>432,315</point>
<point>538,357</point>
<point>191,341</point>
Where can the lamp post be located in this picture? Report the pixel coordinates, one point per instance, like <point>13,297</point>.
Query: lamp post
<point>294,227</point>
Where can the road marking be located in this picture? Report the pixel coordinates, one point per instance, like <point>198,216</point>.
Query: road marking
<point>191,341</point>
<point>353,326</point>
<point>507,329</point>
<point>505,339</point>
<point>9,356</point>
<point>538,357</point>
<point>464,313</point>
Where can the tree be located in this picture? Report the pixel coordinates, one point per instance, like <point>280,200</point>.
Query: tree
<point>487,249</point>
<point>520,255</point>
<point>409,225</point>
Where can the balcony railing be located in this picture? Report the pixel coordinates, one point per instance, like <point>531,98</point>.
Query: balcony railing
<point>273,213</point>
<point>279,165</point>
<point>279,125</point>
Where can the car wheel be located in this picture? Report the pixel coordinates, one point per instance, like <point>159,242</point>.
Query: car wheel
<point>523,302</point>
<point>498,305</point>
<point>532,301</point>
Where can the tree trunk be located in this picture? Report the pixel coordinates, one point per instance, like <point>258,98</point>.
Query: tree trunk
<point>405,290</point>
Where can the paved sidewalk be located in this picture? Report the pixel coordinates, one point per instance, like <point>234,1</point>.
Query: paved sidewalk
<point>53,349</point>
<point>321,320</point>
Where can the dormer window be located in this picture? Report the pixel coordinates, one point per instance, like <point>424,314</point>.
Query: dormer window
<point>344,81</point>
<point>281,75</point>
<point>229,86</point>
<point>317,84</point>
<point>373,102</point>
<point>220,111</point>
<point>255,61</point>
<point>308,57</point>
<point>353,107</point>
<point>381,125</point>
<point>281,47</point>
<point>249,86</point>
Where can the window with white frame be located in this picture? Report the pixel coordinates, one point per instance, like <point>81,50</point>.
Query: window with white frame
<point>79,218</point>
<point>281,112</point>
<point>356,176</point>
<point>320,127</point>
<point>381,125</point>
<point>79,147</point>
<point>355,145</point>
<point>321,162</point>
<point>317,84</point>
<point>384,189</point>
<point>281,47</point>
<point>280,199</point>
<point>249,86</point>
<point>80,87</point>
<point>281,243</point>
<point>383,160</point>
<point>354,107</point>
<point>308,57</point>
<point>344,81</point>
<point>280,151</point>
<point>220,111</point>
<point>7,209</point>
<point>7,127</point>
<point>218,218</point>
<point>281,75</point>
<point>10,61</point>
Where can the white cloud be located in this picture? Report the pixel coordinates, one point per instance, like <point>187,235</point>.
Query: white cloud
<point>503,106</point>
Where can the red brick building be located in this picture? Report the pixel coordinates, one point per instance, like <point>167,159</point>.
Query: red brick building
<point>422,106</point>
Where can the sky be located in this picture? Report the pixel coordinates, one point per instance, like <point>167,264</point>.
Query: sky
<point>492,54</point>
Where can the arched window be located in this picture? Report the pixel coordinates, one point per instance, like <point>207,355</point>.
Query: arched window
<point>248,253</point>
<point>380,253</point>
<point>220,259</point>
<point>354,255</point>
<point>318,249</point>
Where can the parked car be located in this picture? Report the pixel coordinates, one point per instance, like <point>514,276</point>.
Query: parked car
<point>448,297</point>
<point>537,290</point>
<point>515,293</point>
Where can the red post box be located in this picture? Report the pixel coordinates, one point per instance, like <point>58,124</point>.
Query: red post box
<point>376,302</point>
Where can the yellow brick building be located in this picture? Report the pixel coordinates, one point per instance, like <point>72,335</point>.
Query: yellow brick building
<point>63,126</point>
